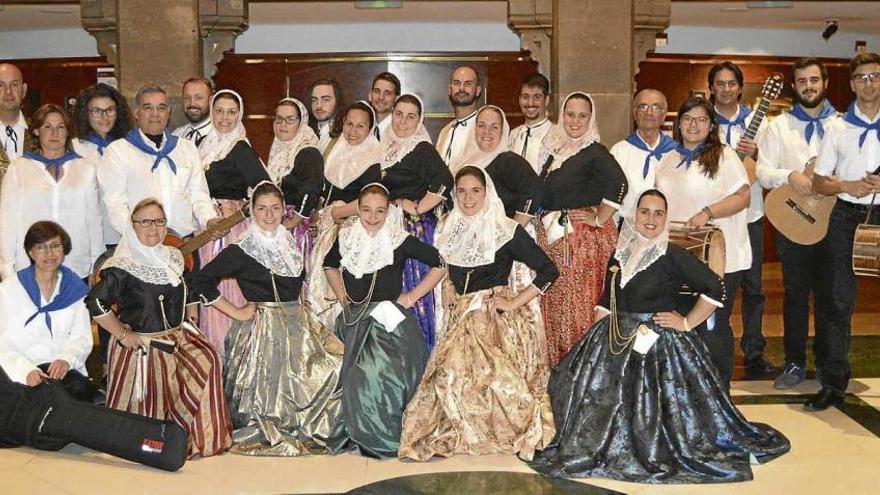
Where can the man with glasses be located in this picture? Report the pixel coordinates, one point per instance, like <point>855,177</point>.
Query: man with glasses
<point>151,162</point>
<point>465,90</point>
<point>788,143</point>
<point>726,89</point>
<point>197,110</point>
<point>640,153</point>
<point>848,166</point>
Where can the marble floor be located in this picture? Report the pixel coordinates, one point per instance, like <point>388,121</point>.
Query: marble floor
<point>836,451</point>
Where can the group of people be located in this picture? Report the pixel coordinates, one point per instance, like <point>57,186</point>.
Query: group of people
<point>500,292</point>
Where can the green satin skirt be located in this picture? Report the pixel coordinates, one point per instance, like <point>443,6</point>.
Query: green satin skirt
<point>281,380</point>
<point>380,373</point>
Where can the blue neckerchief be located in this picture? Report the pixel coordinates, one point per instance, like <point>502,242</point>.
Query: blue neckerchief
<point>52,163</point>
<point>98,141</point>
<point>134,137</point>
<point>813,124</point>
<point>851,117</point>
<point>72,290</point>
<point>665,145</point>
<point>687,156</point>
<point>739,120</point>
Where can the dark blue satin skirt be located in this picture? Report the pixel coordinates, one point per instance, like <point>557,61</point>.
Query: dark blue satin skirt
<point>662,417</point>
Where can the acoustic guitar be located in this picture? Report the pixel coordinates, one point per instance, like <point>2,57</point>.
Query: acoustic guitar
<point>802,219</point>
<point>771,90</point>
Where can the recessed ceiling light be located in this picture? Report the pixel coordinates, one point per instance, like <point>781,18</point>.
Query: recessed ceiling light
<point>56,11</point>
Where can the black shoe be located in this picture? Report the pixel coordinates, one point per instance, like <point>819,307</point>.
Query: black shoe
<point>758,367</point>
<point>824,399</point>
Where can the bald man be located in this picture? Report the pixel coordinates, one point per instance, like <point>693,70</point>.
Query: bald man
<point>13,126</point>
<point>639,154</point>
<point>465,89</point>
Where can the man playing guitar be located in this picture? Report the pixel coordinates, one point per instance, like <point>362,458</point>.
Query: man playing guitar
<point>847,167</point>
<point>787,144</point>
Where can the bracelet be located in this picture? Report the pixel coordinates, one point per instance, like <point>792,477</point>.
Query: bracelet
<point>708,213</point>
<point>124,333</point>
<point>596,221</point>
<point>687,328</point>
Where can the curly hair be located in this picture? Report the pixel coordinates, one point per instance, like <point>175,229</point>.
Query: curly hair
<point>123,122</point>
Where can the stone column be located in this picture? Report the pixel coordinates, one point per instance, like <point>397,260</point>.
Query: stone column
<point>532,20</point>
<point>163,41</point>
<point>592,51</point>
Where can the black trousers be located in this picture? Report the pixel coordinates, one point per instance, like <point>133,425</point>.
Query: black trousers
<point>804,270</point>
<point>835,335</point>
<point>718,334</point>
<point>78,386</point>
<point>752,342</point>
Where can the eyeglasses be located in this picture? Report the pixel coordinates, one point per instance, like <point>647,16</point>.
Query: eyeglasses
<point>866,78</point>
<point>146,222</point>
<point>653,108</point>
<point>101,112</point>
<point>688,120</point>
<point>45,248</point>
<point>726,84</point>
<point>290,119</point>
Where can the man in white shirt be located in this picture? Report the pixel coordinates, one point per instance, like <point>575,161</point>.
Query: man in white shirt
<point>848,166</point>
<point>150,162</point>
<point>787,144</point>
<point>197,109</point>
<point>525,140</point>
<point>726,86</point>
<point>325,99</point>
<point>640,153</point>
<point>465,89</point>
<point>383,94</point>
<point>13,126</point>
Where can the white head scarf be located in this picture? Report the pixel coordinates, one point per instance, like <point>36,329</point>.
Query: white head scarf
<point>347,162</point>
<point>216,145</point>
<point>558,143</point>
<point>395,148</point>
<point>471,241</point>
<point>473,155</point>
<point>283,153</point>
<point>636,252</point>
<point>364,253</point>
<point>160,264</point>
<point>276,250</point>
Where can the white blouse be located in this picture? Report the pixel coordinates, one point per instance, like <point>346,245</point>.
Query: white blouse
<point>30,193</point>
<point>126,177</point>
<point>632,162</point>
<point>89,150</point>
<point>841,156</point>
<point>784,149</point>
<point>756,206</point>
<point>517,141</point>
<point>688,191</point>
<point>22,347</point>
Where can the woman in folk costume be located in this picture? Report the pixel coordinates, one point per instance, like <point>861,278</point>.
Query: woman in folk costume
<point>583,186</point>
<point>282,366</point>
<point>638,398</point>
<point>351,163</point>
<point>159,364</point>
<point>296,165</point>
<point>385,352</point>
<point>231,167</point>
<point>418,182</point>
<point>484,389</point>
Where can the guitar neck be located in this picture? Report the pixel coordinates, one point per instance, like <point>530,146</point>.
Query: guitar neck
<point>197,241</point>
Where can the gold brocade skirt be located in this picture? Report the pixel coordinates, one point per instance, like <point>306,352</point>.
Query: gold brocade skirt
<point>322,301</point>
<point>282,382</point>
<point>184,386</point>
<point>484,390</point>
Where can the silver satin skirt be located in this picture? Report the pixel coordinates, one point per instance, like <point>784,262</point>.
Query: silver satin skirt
<point>281,380</point>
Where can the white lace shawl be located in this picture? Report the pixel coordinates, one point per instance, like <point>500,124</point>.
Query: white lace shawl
<point>216,146</point>
<point>395,148</point>
<point>282,154</point>
<point>560,145</point>
<point>636,253</point>
<point>363,253</point>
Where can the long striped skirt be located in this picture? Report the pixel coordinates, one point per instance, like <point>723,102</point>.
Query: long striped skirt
<point>422,227</point>
<point>184,386</point>
<point>569,303</point>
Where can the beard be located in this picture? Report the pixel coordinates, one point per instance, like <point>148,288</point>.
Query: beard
<point>462,99</point>
<point>813,102</point>
<point>195,118</point>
